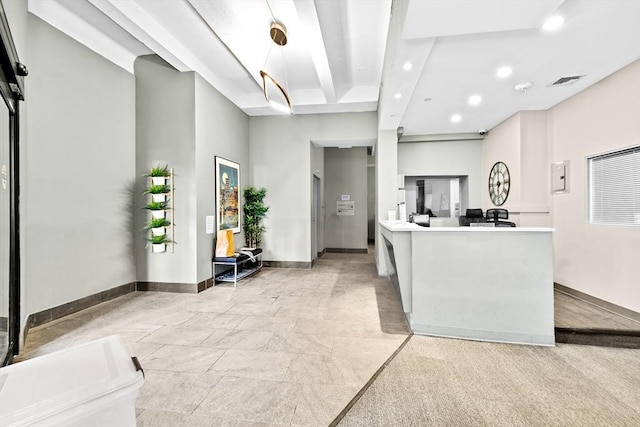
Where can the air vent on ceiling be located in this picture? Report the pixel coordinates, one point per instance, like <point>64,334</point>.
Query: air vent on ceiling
<point>566,80</point>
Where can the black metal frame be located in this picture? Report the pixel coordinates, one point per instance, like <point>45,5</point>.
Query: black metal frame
<point>12,91</point>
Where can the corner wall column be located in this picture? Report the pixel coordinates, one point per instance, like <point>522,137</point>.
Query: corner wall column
<point>387,189</point>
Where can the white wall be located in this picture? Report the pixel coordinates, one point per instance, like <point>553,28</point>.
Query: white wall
<point>222,129</point>
<point>280,162</point>
<point>445,158</point>
<point>502,144</point>
<point>521,143</point>
<point>346,174</point>
<point>603,261</point>
<point>77,191</point>
<point>535,185</point>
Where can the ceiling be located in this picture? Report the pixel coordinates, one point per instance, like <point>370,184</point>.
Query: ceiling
<point>349,55</point>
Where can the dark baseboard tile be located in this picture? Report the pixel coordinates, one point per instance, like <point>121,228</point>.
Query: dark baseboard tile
<point>287,264</point>
<point>600,303</point>
<point>346,250</point>
<point>205,284</point>
<point>50,314</point>
<point>181,288</point>
<point>322,252</point>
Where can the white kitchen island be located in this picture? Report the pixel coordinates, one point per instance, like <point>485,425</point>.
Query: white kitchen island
<point>480,283</point>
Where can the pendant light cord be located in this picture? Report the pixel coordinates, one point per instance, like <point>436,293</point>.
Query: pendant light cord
<point>286,78</point>
<point>271,11</point>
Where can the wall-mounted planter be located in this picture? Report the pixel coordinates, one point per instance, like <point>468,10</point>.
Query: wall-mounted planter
<point>159,247</point>
<point>159,197</point>
<point>160,187</point>
<point>158,231</point>
<point>158,180</point>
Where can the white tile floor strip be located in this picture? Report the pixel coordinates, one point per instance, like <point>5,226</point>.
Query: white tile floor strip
<point>286,347</point>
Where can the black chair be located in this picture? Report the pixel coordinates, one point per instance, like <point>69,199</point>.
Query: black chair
<point>471,216</point>
<point>497,216</point>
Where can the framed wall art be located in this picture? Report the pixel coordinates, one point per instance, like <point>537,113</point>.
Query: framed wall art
<point>227,195</point>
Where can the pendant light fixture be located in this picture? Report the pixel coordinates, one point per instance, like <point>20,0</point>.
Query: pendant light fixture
<point>278,98</point>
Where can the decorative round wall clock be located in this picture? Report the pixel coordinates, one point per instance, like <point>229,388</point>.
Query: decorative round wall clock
<point>499,183</point>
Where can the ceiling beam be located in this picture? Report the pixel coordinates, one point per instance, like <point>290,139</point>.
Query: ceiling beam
<point>309,19</point>
<point>133,19</point>
<point>84,32</point>
<point>399,51</point>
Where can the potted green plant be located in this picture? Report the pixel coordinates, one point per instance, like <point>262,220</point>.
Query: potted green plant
<point>158,192</point>
<point>254,212</point>
<point>159,243</point>
<point>157,208</point>
<point>158,174</point>
<point>157,226</point>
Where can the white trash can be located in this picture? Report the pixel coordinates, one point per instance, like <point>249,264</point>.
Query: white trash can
<point>94,384</point>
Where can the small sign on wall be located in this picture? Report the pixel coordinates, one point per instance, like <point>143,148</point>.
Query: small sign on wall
<point>346,208</point>
<point>345,197</point>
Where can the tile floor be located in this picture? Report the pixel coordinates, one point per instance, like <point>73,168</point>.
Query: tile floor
<point>287,347</point>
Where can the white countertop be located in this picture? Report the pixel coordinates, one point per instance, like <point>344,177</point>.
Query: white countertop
<point>408,226</point>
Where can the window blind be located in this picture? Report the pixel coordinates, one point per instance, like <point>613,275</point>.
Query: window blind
<point>614,188</point>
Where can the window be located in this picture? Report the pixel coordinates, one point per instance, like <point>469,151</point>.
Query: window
<point>438,195</point>
<point>614,188</point>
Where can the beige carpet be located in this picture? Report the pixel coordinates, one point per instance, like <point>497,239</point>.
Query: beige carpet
<point>447,382</point>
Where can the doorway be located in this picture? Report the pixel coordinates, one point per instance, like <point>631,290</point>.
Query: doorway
<point>315,219</point>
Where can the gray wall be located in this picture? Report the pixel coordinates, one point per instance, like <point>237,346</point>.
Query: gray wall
<point>386,189</point>
<point>280,162</point>
<point>165,133</point>
<point>184,122</point>
<point>222,129</point>
<point>346,174</point>
<point>445,158</point>
<point>77,199</point>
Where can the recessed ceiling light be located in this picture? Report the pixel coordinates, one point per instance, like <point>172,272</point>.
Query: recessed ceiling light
<point>553,23</point>
<point>397,95</point>
<point>475,99</point>
<point>523,87</point>
<point>504,72</point>
<point>407,66</point>
<point>456,118</point>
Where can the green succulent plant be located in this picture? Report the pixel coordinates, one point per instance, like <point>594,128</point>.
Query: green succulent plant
<point>157,206</point>
<point>160,170</point>
<point>157,222</point>
<point>157,189</point>
<point>157,240</point>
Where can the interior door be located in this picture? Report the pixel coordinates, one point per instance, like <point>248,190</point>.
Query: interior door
<point>12,73</point>
<point>5,231</point>
<point>315,218</point>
